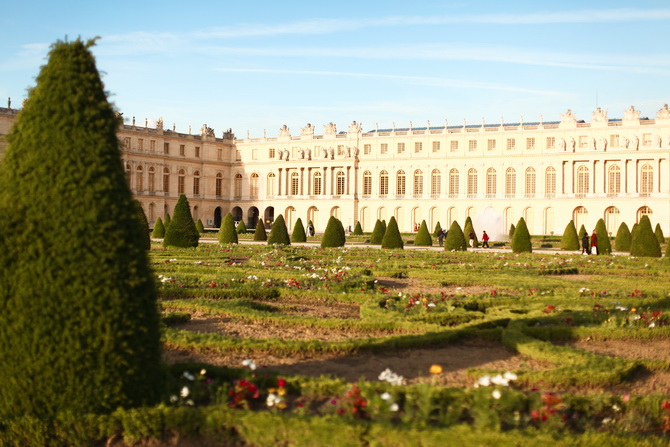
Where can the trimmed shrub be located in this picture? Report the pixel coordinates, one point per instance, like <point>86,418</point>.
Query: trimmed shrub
<point>570,239</point>
<point>260,234</point>
<point>604,244</point>
<point>167,220</point>
<point>378,232</point>
<point>199,226</point>
<point>279,233</point>
<point>623,238</point>
<point>455,239</point>
<point>582,232</point>
<point>227,233</point>
<point>633,230</point>
<point>241,228</point>
<point>80,327</point>
<point>145,225</point>
<point>298,234</point>
<point>334,234</point>
<point>423,238</point>
<point>512,229</point>
<point>437,229</point>
<point>182,231</point>
<point>521,239</point>
<point>657,231</point>
<point>392,238</point>
<point>159,229</point>
<point>468,229</point>
<point>644,241</point>
<point>358,230</point>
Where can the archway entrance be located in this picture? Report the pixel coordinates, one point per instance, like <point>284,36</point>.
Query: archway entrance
<point>269,216</point>
<point>252,217</point>
<point>217,217</point>
<point>237,214</point>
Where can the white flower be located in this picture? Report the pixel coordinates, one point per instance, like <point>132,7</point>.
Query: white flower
<point>188,376</point>
<point>431,304</point>
<point>499,380</point>
<point>174,398</point>
<point>484,381</point>
<point>652,325</point>
<point>189,402</point>
<point>394,407</point>
<point>203,372</point>
<point>249,363</point>
<point>272,400</point>
<point>386,396</point>
<point>496,394</point>
<point>185,392</point>
<point>510,376</point>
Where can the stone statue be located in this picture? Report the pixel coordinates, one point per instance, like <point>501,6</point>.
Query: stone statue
<point>302,154</point>
<point>348,152</point>
<point>568,117</point>
<point>9,103</point>
<point>307,130</point>
<point>561,144</point>
<point>664,113</point>
<point>602,144</point>
<point>228,135</point>
<point>280,153</point>
<point>284,131</point>
<point>332,153</point>
<point>599,116</point>
<point>626,142</point>
<point>159,123</point>
<point>631,114</point>
<point>657,141</point>
<point>354,127</point>
<point>592,143</point>
<point>329,129</point>
<point>636,142</point>
<point>325,152</point>
<point>356,151</point>
<point>206,131</point>
<point>309,154</point>
<point>572,144</point>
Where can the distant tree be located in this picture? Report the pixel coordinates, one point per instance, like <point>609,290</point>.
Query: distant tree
<point>659,234</point>
<point>570,239</point>
<point>182,231</point>
<point>298,234</point>
<point>468,229</point>
<point>378,233</point>
<point>644,241</point>
<point>145,224</point>
<point>512,229</point>
<point>437,229</point>
<point>623,238</point>
<point>334,234</point>
<point>392,238</point>
<point>423,238</point>
<point>455,239</point>
<point>260,234</point>
<point>582,232</point>
<point>633,230</point>
<point>604,244</point>
<point>166,221</point>
<point>199,226</point>
<point>521,240</point>
<point>279,233</point>
<point>227,233</point>
<point>358,230</point>
<point>241,228</point>
<point>159,229</point>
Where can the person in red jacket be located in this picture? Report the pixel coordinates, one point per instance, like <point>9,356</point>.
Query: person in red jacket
<point>485,239</point>
<point>594,243</point>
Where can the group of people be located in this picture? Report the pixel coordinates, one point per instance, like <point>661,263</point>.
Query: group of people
<point>590,244</point>
<point>441,234</point>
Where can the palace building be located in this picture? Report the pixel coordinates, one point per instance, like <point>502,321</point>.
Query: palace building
<point>547,172</point>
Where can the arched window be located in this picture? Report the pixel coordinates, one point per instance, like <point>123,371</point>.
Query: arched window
<point>646,179</point>
<point>219,184</point>
<point>166,179</point>
<point>367,183</point>
<point>271,185</point>
<point>613,181</point>
<point>316,187</point>
<point>152,179</point>
<point>530,182</point>
<point>643,211</point>
<point>491,182</point>
<point>339,180</point>
<point>550,182</point>
<point>453,183</point>
<point>253,186</point>
<point>383,183</point>
<point>435,183</point>
<point>139,178</point>
<point>295,179</point>
<point>510,183</point>
<point>237,185</point>
<point>181,182</point>
<point>418,183</point>
<point>612,219</point>
<point>579,216</point>
<point>400,183</point>
<point>472,183</point>
<point>582,180</point>
<point>196,183</point>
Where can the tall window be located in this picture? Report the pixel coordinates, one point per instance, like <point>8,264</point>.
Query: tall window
<point>472,183</point>
<point>400,183</point>
<point>367,183</point>
<point>196,183</point>
<point>643,211</point>
<point>510,183</point>
<point>491,145</point>
<point>453,147</point>
<point>294,183</point>
<point>166,148</point>
<point>339,179</point>
<point>435,183</point>
<point>453,183</point>
<point>197,152</point>
<point>219,184</point>
<point>237,185</point>
<point>383,183</point>
<point>614,140</point>
<point>182,149</point>
<point>472,145</point>
<point>181,182</point>
<point>550,182</point>
<point>271,184</point>
<point>166,179</point>
<point>530,182</point>
<point>582,180</point>
<point>367,149</point>
<point>383,148</point>
<point>152,179</point>
<point>530,143</point>
<point>418,183</point>
<point>418,147</point>
<point>511,144</point>
<point>401,148</point>
<point>491,182</point>
<point>436,146</point>
<point>253,186</point>
<point>551,142</point>
<point>139,178</point>
<point>646,179</point>
<point>316,188</point>
<point>271,152</point>
<point>613,180</point>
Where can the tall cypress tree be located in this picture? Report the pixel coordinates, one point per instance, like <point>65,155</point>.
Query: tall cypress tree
<point>79,327</point>
<point>570,240</point>
<point>145,224</point>
<point>659,234</point>
<point>227,233</point>
<point>298,234</point>
<point>182,231</point>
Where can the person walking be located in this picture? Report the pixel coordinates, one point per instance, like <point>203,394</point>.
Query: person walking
<point>472,239</point>
<point>440,236</point>
<point>586,245</point>
<point>485,239</point>
<point>594,243</point>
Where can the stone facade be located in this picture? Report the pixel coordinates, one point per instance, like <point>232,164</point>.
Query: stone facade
<point>547,172</point>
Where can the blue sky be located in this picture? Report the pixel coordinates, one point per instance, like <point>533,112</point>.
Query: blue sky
<point>257,65</point>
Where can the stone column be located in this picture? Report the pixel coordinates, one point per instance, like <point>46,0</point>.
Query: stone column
<point>348,176</point>
<point>302,181</point>
<point>323,182</point>
<point>279,183</point>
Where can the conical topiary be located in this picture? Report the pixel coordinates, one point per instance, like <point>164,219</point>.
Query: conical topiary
<point>570,240</point>
<point>241,228</point>
<point>604,244</point>
<point>512,228</point>
<point>199,226</point>
<point>468,229</point>
<point>378,233</point>
<point>166,221</point>
<point>298,234</point>
<point>633,230</point>
<point>659,234</point>
<point>358,230</point>
<point>423,238</point>
<point>455,239</point>
<point>392,238</point>
<point>334,234</point>
<point>159,229</point>
<point>623,238</point>
<point>260,234</point>
<point>644,241</point>
<point>521,239</point>
<point>227,233</point>
<point>80,330</point>
<point>279,233</point>
<point>182,231</point>
<point>437,229</point>
<point>145,224</point>
<point>582,232</point>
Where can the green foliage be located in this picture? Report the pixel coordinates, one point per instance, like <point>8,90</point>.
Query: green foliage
<point>260,234</point>
<point>334,234</point>
<point>644,241</point>
<point>159,229</point>
<point>199,226</point>
<point>145,225</point>
<point>468,229</point>
<point>521,239</point>
<point>182,231</point>
<point>80,328</point>
<point>570,240</point>
<point>512,229</point>
<point>633,230</point>
<point>423,238</point>
<point>623,238</point>
<point>298,234</point>
<point>378,232</point>
<point>659,234</point>
<point>279,232</point>
<point>455,239</point>
<point>227,233</point>
<point>437,229</point>
<point>358,230</point>
<point>241,228</point>
<point>167,220</point>
<point>392,238</point>
<point>582,232</point>
<point>604,244</point>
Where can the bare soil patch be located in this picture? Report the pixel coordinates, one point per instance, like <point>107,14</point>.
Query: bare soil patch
<point>320,310</point>
<point>416,285</point>
<point>629,349</point>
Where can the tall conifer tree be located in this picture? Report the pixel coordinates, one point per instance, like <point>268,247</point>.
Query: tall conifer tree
<point>182,231</point>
